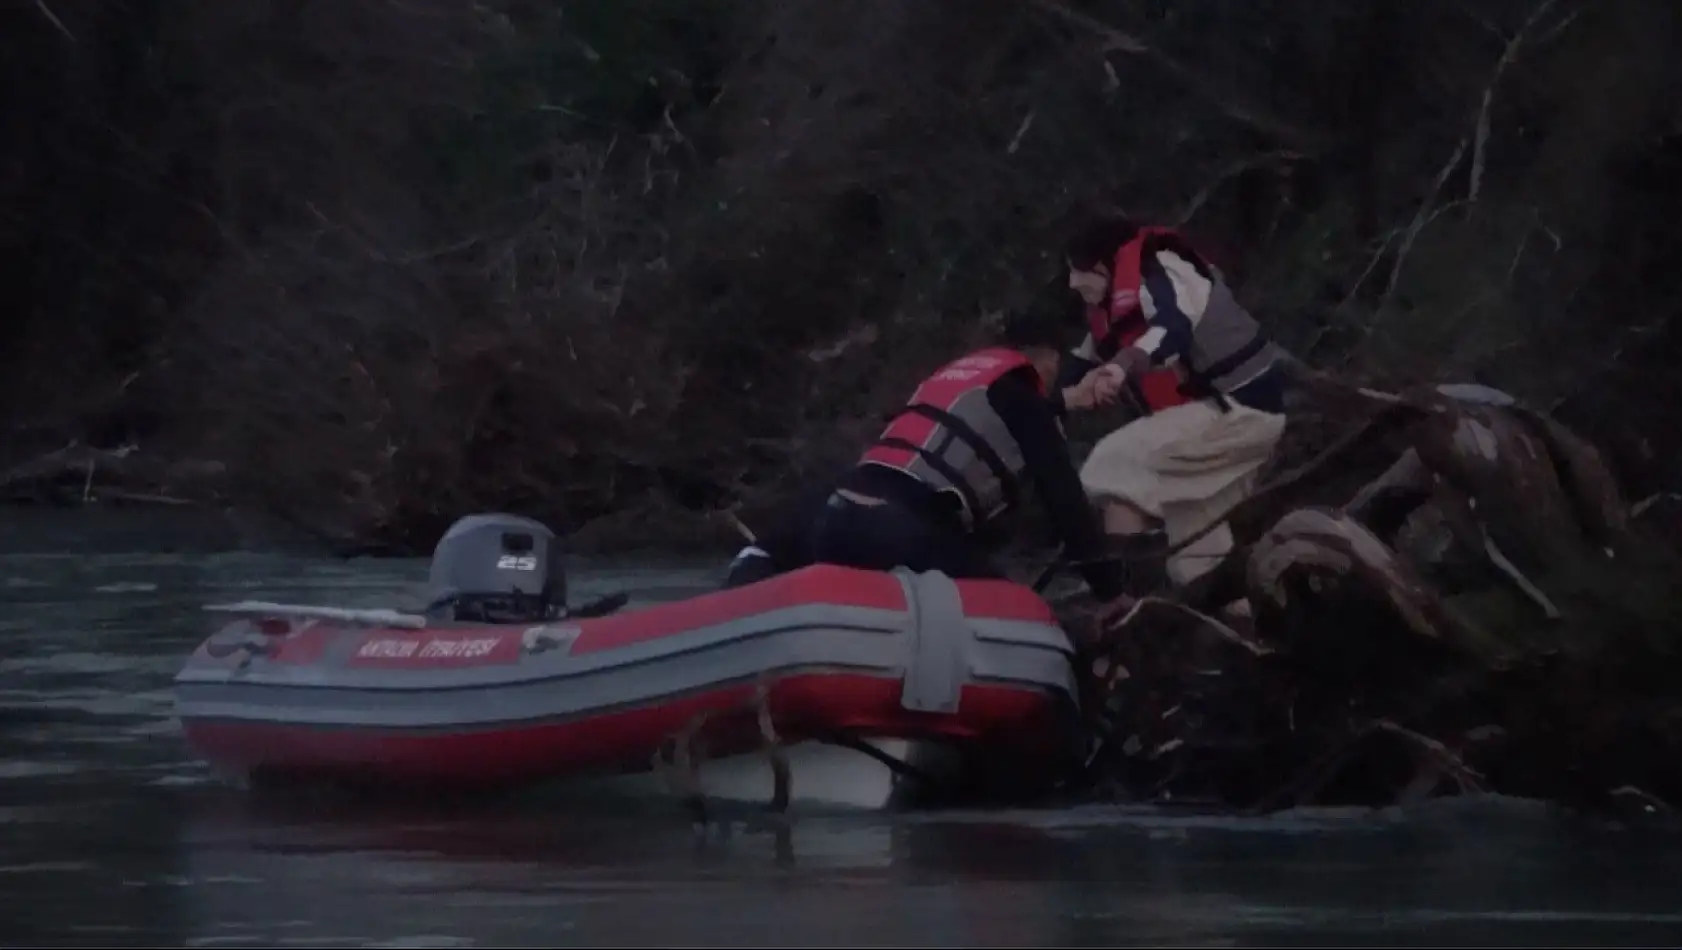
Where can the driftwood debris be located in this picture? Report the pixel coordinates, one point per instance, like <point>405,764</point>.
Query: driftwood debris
<point>78,474</point>
<point>1481,613</point>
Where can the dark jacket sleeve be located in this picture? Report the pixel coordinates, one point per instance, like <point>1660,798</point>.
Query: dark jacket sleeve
<point>787,537</point>
<point>1046,459</point>
<point>1071,369</point>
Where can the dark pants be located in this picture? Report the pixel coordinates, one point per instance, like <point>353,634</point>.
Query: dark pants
<point>751,568</point>
<point>894,534</point>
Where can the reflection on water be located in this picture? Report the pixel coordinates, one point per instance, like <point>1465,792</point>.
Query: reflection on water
<point>111,835</point>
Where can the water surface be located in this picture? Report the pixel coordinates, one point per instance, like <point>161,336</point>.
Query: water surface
<point>111,834</point>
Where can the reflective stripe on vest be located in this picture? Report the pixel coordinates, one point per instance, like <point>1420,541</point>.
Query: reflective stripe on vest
<point>949,438</point>
<point>1228,346</point>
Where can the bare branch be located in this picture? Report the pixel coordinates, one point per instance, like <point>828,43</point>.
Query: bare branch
<point>731,518</point>
<point>1480,138</point>
<point>1524,584</point>
<point>1228,101</point>
<point>1021,130</point>
<point>1426,214</point>
<point>1230,172</point>
<point>1640,508</point>
<point>1434,751</point>
<point>52,18</point>
<point>1227,632</point>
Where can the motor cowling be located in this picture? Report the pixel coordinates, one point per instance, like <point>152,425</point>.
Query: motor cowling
<point>498,568</point>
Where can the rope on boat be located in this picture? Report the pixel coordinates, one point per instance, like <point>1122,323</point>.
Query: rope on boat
<point>781,776</point>
<point>895,765</point>
<point>682,771</point>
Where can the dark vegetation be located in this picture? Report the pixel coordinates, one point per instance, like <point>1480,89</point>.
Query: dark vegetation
<point>624,265</point>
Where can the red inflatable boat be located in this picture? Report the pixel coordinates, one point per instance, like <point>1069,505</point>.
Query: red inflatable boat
<point>832,654</point>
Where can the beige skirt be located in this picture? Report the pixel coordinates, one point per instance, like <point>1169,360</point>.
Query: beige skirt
<point>1186,466</point>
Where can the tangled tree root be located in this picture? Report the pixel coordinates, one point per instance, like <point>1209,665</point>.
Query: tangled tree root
<point>1479,616</point>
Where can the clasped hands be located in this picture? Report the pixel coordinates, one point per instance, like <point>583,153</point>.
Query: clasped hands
<point>1100,387</point>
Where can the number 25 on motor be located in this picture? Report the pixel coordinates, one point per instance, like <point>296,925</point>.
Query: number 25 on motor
<point>516,562</point>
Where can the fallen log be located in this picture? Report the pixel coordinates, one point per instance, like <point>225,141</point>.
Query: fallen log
<point>78,474</point>
<point>1325,547</point>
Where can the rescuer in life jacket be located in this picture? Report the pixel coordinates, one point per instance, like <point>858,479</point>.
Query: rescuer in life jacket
<point>951,465</point>
<point>1166,335</point>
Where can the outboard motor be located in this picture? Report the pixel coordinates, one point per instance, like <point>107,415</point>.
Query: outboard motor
<point>497,568</point>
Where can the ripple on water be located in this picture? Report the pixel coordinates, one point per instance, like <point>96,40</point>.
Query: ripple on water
<point>185,778</point>
<point>126,587</point>
<point>11,769</point>
<point>87,664</point>
<point>47,867</point>
<point>423,940</point>
<point>91,701</point>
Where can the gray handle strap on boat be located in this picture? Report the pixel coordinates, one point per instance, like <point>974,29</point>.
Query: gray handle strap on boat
<point>939,657</point>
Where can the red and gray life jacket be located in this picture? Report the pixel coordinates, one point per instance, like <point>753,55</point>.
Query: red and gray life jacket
<point>1228,346</point>
<point>949,438</point>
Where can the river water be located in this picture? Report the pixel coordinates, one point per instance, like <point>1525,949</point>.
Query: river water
<point>112,835</point>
